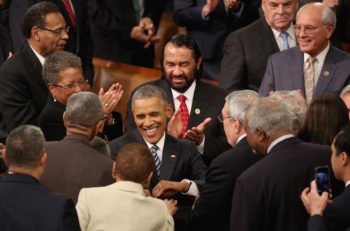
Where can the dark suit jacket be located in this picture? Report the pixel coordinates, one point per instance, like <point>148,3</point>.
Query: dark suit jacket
<point>51,122</point>
<point>79,41</point>
<point>267,195</point>
<point>246,52</point>
<point>23,93</point>
<point>285,71</point>
<point>26,205</point>
<point>210,34</point>
<point>5,44</point>
<point>209,99</point>
<point>111,22</point>
<point>72,164</point>
<point>214,203</point>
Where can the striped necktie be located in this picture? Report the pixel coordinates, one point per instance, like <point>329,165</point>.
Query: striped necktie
<point>309,76</point>
<point>157,162</point>
<point>69,9</point>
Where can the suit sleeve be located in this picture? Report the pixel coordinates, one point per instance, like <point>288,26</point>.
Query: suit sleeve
<point>198,168</point>
<point>268,82</point>
<point>69,219</point>
<point>316,223</point>
<point>214,146</point>
<point>188,13</point>
<point>233,67</point>
<point>82,210</point>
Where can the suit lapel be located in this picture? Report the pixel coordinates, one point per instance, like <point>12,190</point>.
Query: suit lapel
<point>169,159</point>
<point>297,67</point>
<point>199,105</point>
<point>35,67</point>
<point>268,41</point>
<point>326,74</point>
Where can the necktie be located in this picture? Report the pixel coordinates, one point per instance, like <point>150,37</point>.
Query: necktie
<point>226,4</point>
<point>309,75</point>
<point>284,37</point>
<point>137,9</point>
<point>183,113</point>
<point>157,162</point>
<point>69,9</point>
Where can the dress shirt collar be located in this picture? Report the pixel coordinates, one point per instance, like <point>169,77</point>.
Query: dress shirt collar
<point>189,93</point>
<point>160,145</point>
<point>39,56</point>
<point>241,138</point>
<point>320,57</point>
<point>347,183</point>
<point>278,140</point>
<point>292,41</point>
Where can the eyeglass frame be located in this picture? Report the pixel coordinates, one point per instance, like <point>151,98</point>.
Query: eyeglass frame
<point>80,83</point>
<point>221,118</point>
<point>58,31</point>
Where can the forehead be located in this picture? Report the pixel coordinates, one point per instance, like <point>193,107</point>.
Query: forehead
<point>70,74</point>
<point>309,16</point>
<point>55,19</point>
<point>278,1</point>
<point>148,105</point>
<point>183,53</point>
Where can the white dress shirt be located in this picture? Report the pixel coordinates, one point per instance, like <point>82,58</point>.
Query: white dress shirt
<point>278,140</point>
<point>39,56</point>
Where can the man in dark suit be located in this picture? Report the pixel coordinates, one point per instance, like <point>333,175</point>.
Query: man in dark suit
<point>124,31</point>
<point>214,202</point>
<point>266,196</point>
<point>246,51</point>
<point>23,92</point>
<point>24,203</point>
<point>209,22</point>
<point>315,67</point>
<point>79,41</point>
<point>181,66</point>
<point>335,215</point>
<point>72,163</point>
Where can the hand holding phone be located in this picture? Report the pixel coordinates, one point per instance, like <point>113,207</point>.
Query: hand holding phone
<point>322,179</point>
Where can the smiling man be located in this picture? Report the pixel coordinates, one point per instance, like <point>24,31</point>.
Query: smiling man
<point>315,67</point>
<point>23,93</point>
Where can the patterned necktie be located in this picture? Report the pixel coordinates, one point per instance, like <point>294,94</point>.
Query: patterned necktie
<point>157,162</point>
<point>69,9</point>
<point>309,75</point>
<point>183,113</point>
<point>137,9</point>
<point>284,37</point>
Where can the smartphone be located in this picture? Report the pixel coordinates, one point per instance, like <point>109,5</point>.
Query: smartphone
<point>322,179</point>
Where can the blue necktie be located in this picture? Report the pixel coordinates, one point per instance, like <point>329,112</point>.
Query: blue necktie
<point>157,162</point>
<point>284,37</point>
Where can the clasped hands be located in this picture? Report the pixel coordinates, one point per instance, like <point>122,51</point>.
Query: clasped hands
<point>145,32</point>
<point>211,5</point>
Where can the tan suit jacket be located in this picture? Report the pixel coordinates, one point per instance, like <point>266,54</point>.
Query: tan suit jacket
<point>121,206</point>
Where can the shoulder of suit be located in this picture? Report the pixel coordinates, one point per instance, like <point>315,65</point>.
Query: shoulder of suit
<point>291,52</point>
<point>180,142</point>
<point>213,89</point>
<point>253,28</point>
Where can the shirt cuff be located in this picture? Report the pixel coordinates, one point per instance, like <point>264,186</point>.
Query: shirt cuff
<point>205,18</point>
<point>193,190</point>
<point>237,14</point>
<point>200,148</point>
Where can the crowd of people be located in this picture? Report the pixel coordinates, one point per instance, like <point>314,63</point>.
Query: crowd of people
<point>241,155</point>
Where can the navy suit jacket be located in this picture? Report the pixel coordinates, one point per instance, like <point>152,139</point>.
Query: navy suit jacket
<point>26,205</point>
<point>285,71</point>
<point>210,100</point>
<point>214,203</point>
<point>267,195</point>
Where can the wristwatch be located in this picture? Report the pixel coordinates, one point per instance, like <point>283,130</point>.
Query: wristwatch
<point>189,185</point>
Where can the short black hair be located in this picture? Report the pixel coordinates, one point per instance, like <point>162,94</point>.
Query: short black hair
<point>180,40</point>
<point>36,16</point>
<point>342,141</point>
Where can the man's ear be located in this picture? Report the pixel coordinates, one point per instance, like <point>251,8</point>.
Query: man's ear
<point>35,33</point>
<point>199,62</point>
<point>169,110</point>
<point>114,170</point>
<point>330,30</point>
<point>64,119</point>
<point>43,159</point>
<point>4,156</point>
<point>146,183</point>
<point>344,159</point>
<point>260,134</point>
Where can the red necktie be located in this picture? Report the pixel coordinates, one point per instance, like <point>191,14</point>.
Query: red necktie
<point>183,113</point>
<point>69,9</point>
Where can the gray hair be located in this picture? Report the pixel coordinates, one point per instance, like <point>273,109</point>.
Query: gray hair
<point>149,91</point>
<point>84,109</point>
<point>59,61</point>
<point>101,146</point>
<point>269,114</point>
<point>25,146</point>
<point>346,90</point>
<point>239,103</point>
<point>296,105</point>
<point>328,15</point>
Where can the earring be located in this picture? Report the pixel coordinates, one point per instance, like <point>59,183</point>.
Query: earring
<point>54,99</point>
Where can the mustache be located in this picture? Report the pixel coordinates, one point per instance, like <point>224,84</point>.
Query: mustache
<point>178,77</point>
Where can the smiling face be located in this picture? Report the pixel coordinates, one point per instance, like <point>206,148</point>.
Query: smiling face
<point>180,67</point>
<point>315,39</point>
<point>51,42</point>
<point>150,117</point>
<point>279,14</point>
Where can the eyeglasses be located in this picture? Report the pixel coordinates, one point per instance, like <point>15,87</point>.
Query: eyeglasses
<point>70,86</point>
<point>307,29</point>
<point>58,31</point>
<point>221,118</point>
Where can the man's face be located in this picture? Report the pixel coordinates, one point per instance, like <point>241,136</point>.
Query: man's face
<point>346,100</point>
<point>255,139</point>
<point>335,161</point>
<point>228,126</point>
<point>279,14</point>
<point>150,116</point>
<point>51,41</point>
<point>179,66</point>
<point>311,34</point>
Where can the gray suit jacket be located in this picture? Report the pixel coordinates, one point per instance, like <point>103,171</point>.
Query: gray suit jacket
<point>73,164</point>
<point>245,56</point>
<point>284,71</point>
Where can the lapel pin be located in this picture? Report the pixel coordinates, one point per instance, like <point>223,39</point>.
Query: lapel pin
<point>197,111</point>
<point>326,73</point>
<point>173,156</point>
